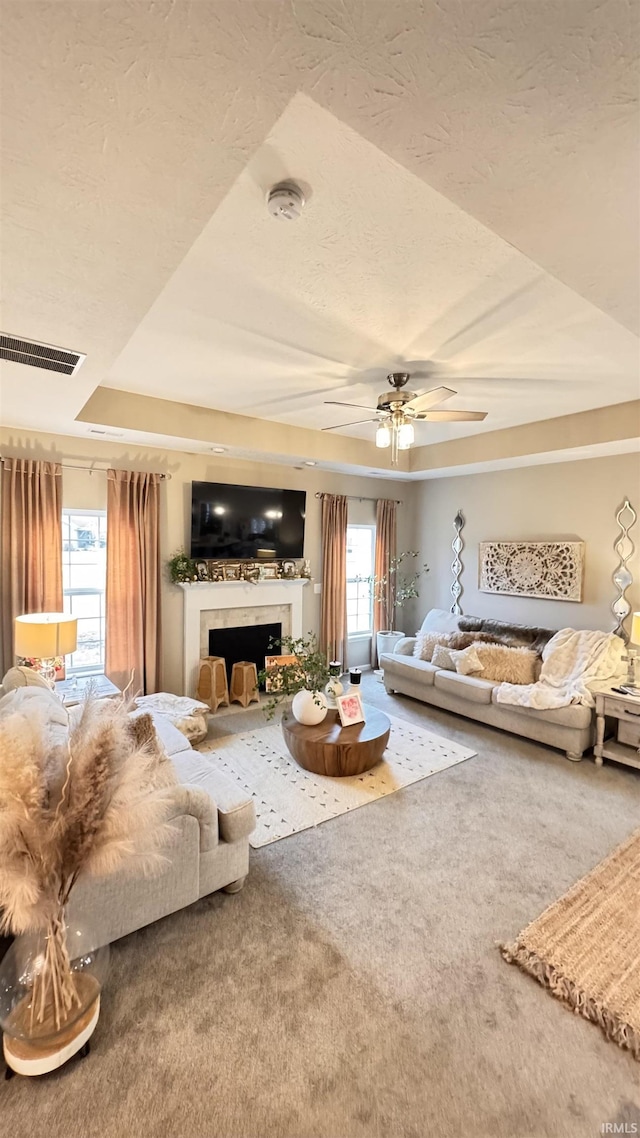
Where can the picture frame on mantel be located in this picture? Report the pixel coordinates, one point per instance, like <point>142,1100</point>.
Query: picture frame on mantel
<point>232,572</point>
<point>269,570</point>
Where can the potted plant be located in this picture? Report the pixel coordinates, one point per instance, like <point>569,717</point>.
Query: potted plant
<point>84,805</point>
<point>303,674</point>
<point>391,592</point>
<point>182,569</point>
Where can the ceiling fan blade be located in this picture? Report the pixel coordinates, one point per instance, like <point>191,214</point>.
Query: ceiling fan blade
<point>430,398</point>
<point>357,423</point>
<point>451,416</point>
<point>358,406</point>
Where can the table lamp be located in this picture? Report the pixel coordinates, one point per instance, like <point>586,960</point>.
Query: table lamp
<point>43,636</point>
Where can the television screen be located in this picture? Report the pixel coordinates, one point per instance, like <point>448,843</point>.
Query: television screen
<point>246,522</point>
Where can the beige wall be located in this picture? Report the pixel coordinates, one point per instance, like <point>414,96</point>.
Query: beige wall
<point>569,499</point>
<point>85,490</point>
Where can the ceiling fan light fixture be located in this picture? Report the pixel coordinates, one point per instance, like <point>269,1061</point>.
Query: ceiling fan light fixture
<point>406,436</point>
<point>383,436</point>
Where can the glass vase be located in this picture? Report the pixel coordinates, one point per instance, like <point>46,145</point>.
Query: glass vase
<point>50,984</point>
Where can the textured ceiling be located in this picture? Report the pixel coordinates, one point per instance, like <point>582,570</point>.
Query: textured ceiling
<point>270,318</point>
<point>128,130</point>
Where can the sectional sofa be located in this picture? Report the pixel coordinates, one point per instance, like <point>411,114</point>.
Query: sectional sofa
<point>209,848</point>
<point>571,729</point>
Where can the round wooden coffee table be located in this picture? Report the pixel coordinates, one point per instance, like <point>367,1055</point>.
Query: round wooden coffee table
<point>328,748</point>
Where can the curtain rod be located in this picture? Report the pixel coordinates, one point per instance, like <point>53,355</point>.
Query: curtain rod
<point>356,498</point>
<point>81,466</point>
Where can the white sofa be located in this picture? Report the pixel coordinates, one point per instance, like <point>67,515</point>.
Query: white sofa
<point>208,850</point>
<point>571,729</point>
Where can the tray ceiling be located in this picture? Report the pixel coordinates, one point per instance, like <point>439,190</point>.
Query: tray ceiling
<point>473,170</point>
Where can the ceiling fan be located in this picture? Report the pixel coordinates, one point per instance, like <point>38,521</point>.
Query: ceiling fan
<point>398,410</point>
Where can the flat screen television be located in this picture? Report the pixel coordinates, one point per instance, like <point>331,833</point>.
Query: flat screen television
<point>246,522</point>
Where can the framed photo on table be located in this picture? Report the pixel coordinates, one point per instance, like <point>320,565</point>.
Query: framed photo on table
<point>350,708</point>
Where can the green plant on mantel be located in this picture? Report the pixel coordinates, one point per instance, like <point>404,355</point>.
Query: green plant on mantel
<point>309,672</point>
<point>392,591</point>
<point>181,568</point>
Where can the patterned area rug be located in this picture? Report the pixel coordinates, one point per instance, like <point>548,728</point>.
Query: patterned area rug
<point>289,799</point>
<point>585,948</point>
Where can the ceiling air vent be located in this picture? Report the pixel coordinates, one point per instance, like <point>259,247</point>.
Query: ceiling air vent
<point>21,351</point>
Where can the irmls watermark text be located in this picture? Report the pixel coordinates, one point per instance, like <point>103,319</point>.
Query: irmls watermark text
<point>619,1128</point>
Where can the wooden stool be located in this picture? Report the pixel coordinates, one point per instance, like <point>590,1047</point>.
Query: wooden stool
<point>244,683</point>
<point>212,682</point>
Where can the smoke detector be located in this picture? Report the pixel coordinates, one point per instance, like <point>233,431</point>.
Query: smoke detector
<point>285,201</point>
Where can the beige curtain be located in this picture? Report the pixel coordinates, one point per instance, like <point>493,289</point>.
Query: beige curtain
<point>133,639</point>
<point>31,544</point>
<point>386,541</point>
<point>333,611</point>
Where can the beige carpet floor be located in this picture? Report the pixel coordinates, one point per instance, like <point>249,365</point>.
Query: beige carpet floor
<point>354,989</point>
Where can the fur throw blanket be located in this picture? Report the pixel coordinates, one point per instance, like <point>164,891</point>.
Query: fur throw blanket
<point>570,662</point>
<point>501,632</point>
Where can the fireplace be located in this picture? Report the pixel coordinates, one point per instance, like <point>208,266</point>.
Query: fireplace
<point>210,605</point>
<point>245,642</point>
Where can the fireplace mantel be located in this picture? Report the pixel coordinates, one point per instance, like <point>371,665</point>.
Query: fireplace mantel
<point>212,596</point>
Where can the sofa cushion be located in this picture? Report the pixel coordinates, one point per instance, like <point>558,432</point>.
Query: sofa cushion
<point>420,671</point>
<point>465,687</point>
<point>576,715</point>
<point>437,620</point>
<point>171,739</point>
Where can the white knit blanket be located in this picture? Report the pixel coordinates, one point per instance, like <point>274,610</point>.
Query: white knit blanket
<point>570,662</point>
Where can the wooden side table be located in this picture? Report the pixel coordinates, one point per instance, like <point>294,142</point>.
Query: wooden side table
<point>73,691</point>
<point>625,747</point>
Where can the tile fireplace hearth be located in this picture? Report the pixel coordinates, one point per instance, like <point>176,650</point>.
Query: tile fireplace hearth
<point>228,604</point>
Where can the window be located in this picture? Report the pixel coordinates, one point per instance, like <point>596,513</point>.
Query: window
<point>360,565</point>
<point>84,546</point>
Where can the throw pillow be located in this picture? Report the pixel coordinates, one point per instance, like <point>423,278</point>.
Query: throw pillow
<point>465,661</point>
<point>507,665</point>
<point>442,658</point>
<point>426,642</point>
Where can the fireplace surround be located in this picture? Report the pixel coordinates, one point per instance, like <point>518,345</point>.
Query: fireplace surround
<point>227,604</point>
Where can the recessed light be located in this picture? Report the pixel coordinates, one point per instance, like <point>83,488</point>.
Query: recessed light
<point>218,450</point>
<point>309,462</point>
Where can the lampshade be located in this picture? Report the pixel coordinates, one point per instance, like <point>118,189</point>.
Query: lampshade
<point>635,629</point>
<point>41,635</point>
<point>383,436</point>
